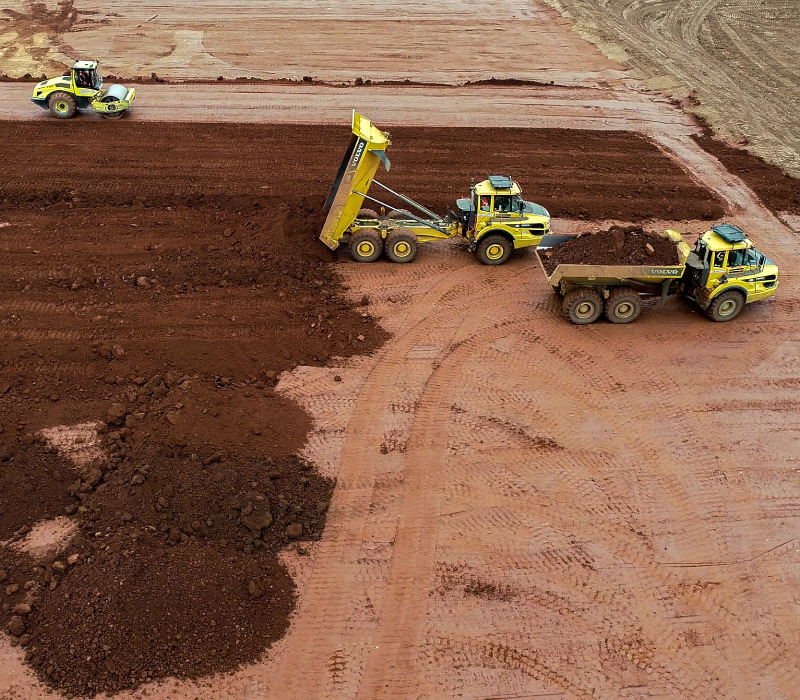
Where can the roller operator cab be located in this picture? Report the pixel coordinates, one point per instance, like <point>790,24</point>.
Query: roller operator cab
<point>82,88</point>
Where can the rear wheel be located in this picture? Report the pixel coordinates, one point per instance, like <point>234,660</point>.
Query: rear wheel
<point>401,245</point>
<point>494,249</point>
<point>62,105</point>
<point>726,306</point>
<point>582,305</point>
<point>367,214</point>
<point>366,245</point>
<point>623,305</point>
<point>395,214</point>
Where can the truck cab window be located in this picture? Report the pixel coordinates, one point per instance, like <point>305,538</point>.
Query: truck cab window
<point>719,258</point>
<point>502,203</point>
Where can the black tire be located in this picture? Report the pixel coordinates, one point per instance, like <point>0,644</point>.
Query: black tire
<point>366,245</point>
<point>582,305</point>
<point>401,245</point>
<point>494,249</point>
<point>623,305</point>
<point>726,306</point>
<point>62,105</point>
<point>394,214</point>
<point>367,214</point>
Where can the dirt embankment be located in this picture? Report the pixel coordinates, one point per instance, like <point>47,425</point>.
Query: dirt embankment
<point>155,280</point>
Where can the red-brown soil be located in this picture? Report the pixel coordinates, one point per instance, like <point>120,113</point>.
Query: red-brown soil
<point>158,278</point>
<point>588,174</point>
<point>615,246</point>
<point>779,192</point>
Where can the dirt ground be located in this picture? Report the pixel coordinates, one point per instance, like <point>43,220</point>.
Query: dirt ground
<point>735,62</point>
<point>497,471</point>
<point>451,42</point>
<point>235,465</point>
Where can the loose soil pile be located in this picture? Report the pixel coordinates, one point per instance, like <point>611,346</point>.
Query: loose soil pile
<point>615,246</point>
<point>164,314</point>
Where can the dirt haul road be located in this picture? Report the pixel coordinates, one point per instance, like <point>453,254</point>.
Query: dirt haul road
<point>522,507</point>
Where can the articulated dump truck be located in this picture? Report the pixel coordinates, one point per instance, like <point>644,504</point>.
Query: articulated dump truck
<point>721,274</point>
<point>494,220</point>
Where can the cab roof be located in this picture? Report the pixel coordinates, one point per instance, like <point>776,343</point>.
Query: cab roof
<point>716,240</point>
<point>498,184</point>
<point>82,65</point>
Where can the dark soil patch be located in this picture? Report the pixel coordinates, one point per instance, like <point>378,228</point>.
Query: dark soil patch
<point>139,610</point>
<point>616,246</point>
<point>779,192</point>
<point>588,174</point>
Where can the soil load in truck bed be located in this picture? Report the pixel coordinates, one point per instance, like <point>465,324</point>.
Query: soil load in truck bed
<point>615,246</point>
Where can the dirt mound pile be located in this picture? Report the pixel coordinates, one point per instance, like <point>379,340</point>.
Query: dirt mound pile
<point>616,246</point>
<point>138,610</point>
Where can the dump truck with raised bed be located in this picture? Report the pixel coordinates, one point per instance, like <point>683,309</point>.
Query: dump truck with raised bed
<point>494,220</point>
<point>82,88</point>
<point>722,273</point>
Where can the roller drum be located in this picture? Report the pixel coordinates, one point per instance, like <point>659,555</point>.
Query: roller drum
<point>115,93</point>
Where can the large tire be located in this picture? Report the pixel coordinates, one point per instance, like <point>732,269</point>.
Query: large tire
<point>582,305</point>
<point>623,305</point>
<point>62,105</point>
<point>367,214</point>
<point>395,214</point>
<point>401,245</point>
<point>726,306</point>
<point>366,245</point>
<point>494,249</point>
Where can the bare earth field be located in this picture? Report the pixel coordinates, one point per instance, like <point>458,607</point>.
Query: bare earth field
<point>739,58</point>
<point>449,41</point>
<point>236,466</point>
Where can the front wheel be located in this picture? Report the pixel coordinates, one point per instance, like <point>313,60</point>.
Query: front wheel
<point>366,245</point>
<point>582,305</point>
<point>726,306</point>
<point>494,249</point>
<point>62,105</point>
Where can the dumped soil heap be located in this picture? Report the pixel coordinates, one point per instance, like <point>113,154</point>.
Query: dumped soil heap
<point>616,246</point>
<point>161,319</point>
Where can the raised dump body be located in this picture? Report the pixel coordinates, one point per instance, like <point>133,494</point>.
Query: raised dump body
<point>721,274</point>
<point>366,152</point>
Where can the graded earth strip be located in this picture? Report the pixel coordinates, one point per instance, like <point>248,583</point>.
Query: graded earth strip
<point>475,105</point>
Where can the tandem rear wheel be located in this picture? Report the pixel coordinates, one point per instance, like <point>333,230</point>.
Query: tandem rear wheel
<point>366,245</point>
<point>582,305</point>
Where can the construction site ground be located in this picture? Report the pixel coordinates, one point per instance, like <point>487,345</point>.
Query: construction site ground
<point>236,465</point>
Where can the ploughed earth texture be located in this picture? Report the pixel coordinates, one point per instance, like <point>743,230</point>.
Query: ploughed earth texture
<point>155,280</point>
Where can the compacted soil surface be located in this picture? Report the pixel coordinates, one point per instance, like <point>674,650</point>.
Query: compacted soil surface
<point>616,246</point>
<point>155,280</point>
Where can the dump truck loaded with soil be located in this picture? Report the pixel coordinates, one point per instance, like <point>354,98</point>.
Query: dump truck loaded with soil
<point>610,272</point>
<point>494,220</point>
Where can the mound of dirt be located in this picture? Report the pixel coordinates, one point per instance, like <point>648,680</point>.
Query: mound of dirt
<point>615,246</point>
<point>137,610</point>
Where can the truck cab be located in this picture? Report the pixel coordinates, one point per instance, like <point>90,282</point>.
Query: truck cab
<point>726,271</point>
<point>496,210</point>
